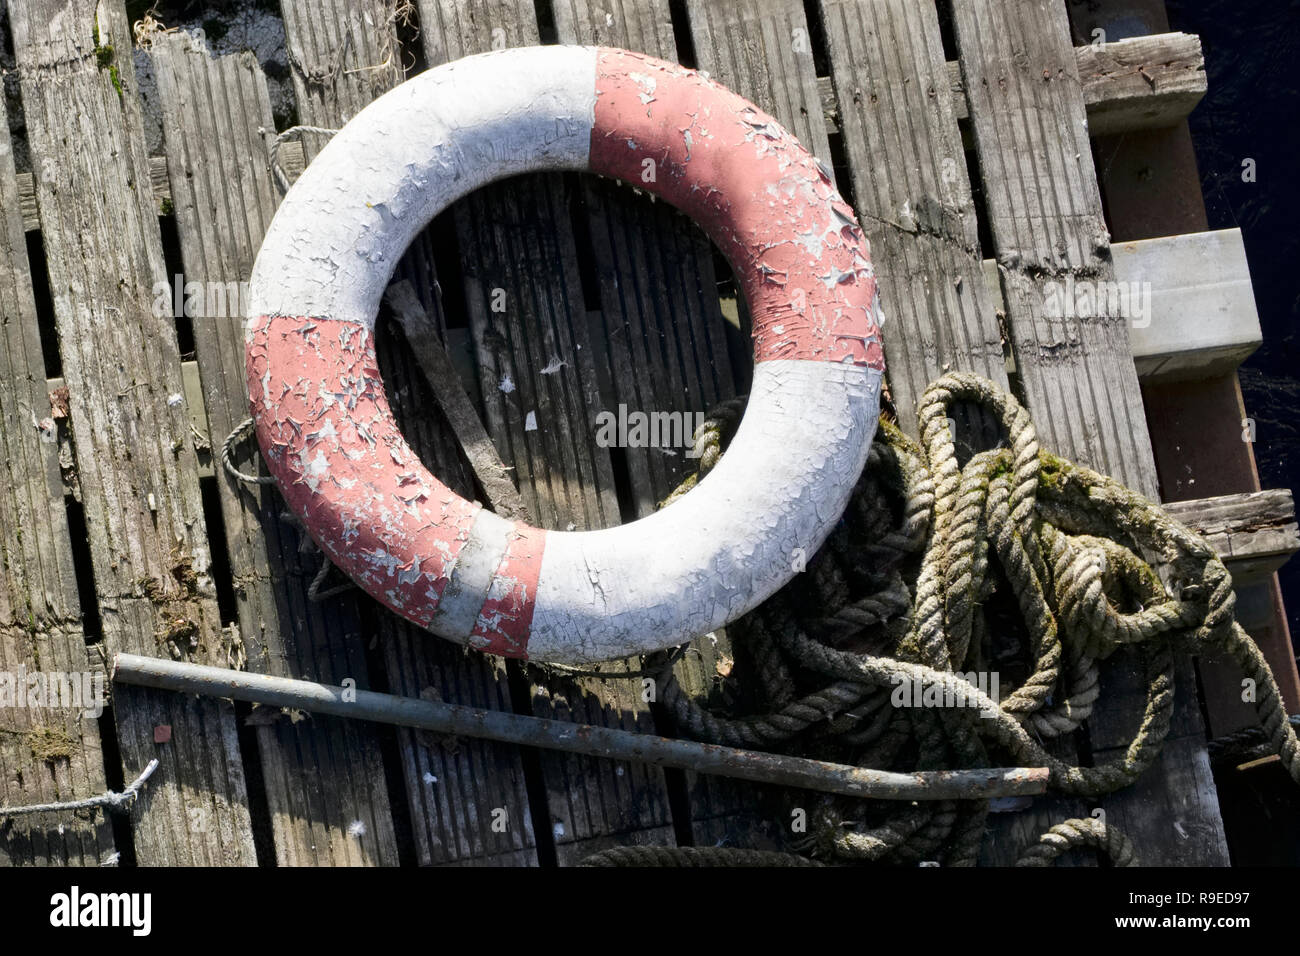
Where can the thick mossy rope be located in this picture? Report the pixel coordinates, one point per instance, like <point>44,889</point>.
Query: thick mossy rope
<point>901,593</point>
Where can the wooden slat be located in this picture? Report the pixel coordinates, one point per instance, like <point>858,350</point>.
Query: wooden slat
<point>661,345</point>
<point>662,330</point>
<point>912,195</point>
<point>1134,84</point>
<point>134,451</point>
<point>224,199</point>
<point>1047,225</point>
<point>1141,82</point>
<point>468,798</point>
<point>40,613</point>
<point>342,54</point>
<point>1027,115</point>
<point>452,816</point>
<point>1255,533</point>
<point>1199,318</point>
<point>518,249</point>
<point>762,49</point>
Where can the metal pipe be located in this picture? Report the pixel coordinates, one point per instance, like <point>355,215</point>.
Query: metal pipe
<point>606,742</point>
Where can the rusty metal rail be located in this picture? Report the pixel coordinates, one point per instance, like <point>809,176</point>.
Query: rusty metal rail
<point>593,741</point>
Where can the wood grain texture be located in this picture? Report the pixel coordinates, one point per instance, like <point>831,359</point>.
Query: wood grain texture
<point>325,781</point>
<point>538,383</point>
<point>762,50</point>
<point>342,54</point>
<point>134,451</point>
<point>41,627</point>
<point>1077,372</point>
<point>1045,215</point>
<point>662,345</point>
<point>886,61</point>
<point>452,819</point>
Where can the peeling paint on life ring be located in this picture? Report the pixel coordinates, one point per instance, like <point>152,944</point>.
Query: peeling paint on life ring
<point>329,437</point>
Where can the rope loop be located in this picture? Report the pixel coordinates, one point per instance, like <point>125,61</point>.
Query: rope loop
<point>958,617</point>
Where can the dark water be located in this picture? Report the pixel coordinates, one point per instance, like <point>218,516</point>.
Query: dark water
<point>1252,110</point>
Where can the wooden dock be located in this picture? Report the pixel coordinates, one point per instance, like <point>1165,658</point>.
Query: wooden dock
<point>963,132</point>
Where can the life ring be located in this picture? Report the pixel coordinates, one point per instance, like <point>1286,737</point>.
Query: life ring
<point>328,435</point>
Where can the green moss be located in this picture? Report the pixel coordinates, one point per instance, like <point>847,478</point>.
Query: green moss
<point>51,744</point>
<point>1052,471</point>
<point>105,57</point>
<point>167,209</point>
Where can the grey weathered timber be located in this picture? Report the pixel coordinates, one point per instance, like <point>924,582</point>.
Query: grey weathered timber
<point>40,613</point>
<point>1141,82</point>
<point>540,392</point>
<point>662,331</point>
<point>1031,140</point>
<point>762,50</point>
<point>1254,533</point>
<point>662,345</point>
<point>342,54</point>
<point>912,194</point>
<point>439,373</point>
<point>1196,306</point>
<point>1132,84</point>
<point>468,797</point>
<point>1046,219</point>
<point>134,451</point>
<point>334,41</point>
<point>322,777</point>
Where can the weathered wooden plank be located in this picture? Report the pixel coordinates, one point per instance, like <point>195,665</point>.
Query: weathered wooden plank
<point>1048,230</point>
<point>1141,82</point>
<point>342,54</point>
<point>1031,139</point>
<point>762,49</point>
<point>1194,306</point>
<point>468,798</point>
<point>1133,84</point>
<point>661,346</point>
<point>224,198</point>
<point>134,452</point>
<point>1137,83</point>
<point>540,391</point>
<point>1255,533</point>
<point>452,818</point>
<point>912,194</point>
<point>40,613</point>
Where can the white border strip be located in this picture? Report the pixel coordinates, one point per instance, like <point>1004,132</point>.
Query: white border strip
<point>730,543</point>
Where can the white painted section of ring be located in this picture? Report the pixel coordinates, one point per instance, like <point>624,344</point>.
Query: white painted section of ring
<point>471,577</point>
<point>730,543</point>
<point>345,223</point>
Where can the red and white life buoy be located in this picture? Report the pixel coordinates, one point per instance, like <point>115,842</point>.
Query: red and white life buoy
<point>329,437</point>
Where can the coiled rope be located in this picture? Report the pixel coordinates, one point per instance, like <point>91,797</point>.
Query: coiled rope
<point>934,566</point>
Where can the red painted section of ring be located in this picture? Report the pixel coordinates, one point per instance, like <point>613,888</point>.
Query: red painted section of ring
<point>329,437</point>
<point>507,617</point>
<point>802,260</point>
